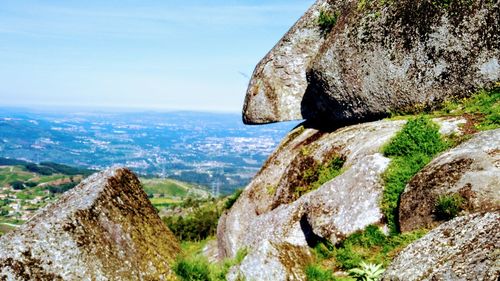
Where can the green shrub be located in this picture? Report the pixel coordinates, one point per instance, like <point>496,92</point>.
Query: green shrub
<point>197,226</point>
<point>419,135</point>
<point>410,150</point>
<point>192,269</point>
<point>327,20</point>
<point>486,103</point>
<point>17,185</point>
<point>62,187</point>
<point>232,199</point>
<point>448,206</point>
<point>323,250</point>
<point>331,170</point>
<point>367,272</point>
<point>31,183</point>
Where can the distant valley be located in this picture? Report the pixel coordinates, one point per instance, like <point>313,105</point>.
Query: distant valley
<point>209,149</point>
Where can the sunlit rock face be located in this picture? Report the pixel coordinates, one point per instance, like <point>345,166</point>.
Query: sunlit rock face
<point>103,229</point>
<point>377,58</point>
<point>465,248</point>
<point>278,223</point>
<point>279,80</point>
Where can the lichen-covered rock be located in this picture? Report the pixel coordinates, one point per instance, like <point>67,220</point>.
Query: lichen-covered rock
<point>465,248</point>
<point>103,229</point>
<point>279,80</point>
<point>381,57</point>
<point>278,226</point>
<point>471,171</point>
<point>278,222</point>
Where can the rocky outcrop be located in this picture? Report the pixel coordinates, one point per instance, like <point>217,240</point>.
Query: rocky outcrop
<point>278,221</point>
<point>471,171</point>
<point>279,82</point>
<point>103,229</point>
<point>377,58</point>
<point>465,248</point>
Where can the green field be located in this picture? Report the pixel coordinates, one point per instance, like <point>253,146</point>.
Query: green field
<point>32,191</point>
<point>10,174</point>
<point>172,188</point>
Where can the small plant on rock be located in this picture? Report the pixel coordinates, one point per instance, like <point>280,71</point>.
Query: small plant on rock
<point>327,20</point>
<point>448,206</point>
<point>367,272</point>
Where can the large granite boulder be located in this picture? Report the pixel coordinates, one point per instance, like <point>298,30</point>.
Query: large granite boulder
<point>278,223</point>
<point>279,80</point>
<point>103,229</point>
<point>465,248</point>
<point>379,57</point>
<point>470,170</point>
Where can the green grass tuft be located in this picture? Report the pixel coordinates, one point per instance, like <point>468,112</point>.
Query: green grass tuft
<point>373,246</point>
<point>192,266</point>
<point>316,176</point>
<point>327,20</point>
<point>448,206</point>
<point>410,150</point>
<point>316,273</point>
<point>196,269</point>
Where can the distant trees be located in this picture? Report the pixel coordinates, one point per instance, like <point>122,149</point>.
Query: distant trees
<point>197,226</point>
<point>202,217</point>
<point>17,185</point>
<point>46,168</point>
<point>42,170</point>
<point>61,188</point>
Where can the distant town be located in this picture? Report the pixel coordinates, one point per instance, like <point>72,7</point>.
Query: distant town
<point>209,149</point>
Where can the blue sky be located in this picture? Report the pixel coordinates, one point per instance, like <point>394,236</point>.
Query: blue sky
<point>189,55</point>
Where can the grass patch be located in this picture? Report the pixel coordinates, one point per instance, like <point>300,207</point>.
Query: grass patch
<point>316,176</point>
<point>485,105</point>
<point>410,150</point>
<point>316,273</point>
<point>370,245</point>
<point>482,108</point>
<point>448,206</point>
<point>327,20</point>
<point>192,266</point>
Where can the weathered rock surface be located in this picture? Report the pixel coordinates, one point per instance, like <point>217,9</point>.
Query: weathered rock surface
<point>465,248</point>
<point>279,80</point>
<point>378,58</point>
<point>279,226</point>
<point>103,229</point>
<point>471,170</point>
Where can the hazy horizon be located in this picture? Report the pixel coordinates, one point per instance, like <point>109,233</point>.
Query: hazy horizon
<point>175,55</point>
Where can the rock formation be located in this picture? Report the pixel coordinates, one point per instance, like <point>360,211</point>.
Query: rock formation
<point>344,63</point>
<point>378,57</point>
<point>103,229</point>
<point>471,171</point>
<point>279,82</point>
<point>279,224</point>
<point>465,248</point>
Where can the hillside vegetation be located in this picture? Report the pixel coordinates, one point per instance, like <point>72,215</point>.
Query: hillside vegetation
<point>410,150</point>
<point>26,187</point>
